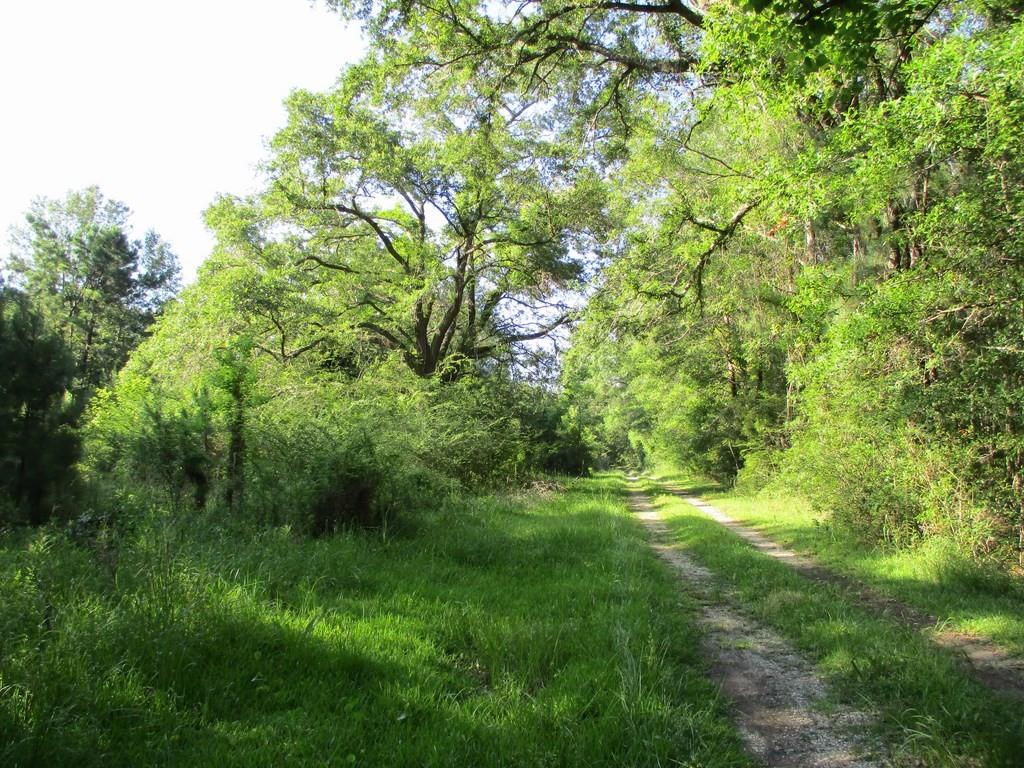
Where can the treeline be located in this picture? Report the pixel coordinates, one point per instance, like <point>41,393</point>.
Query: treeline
<point>371,334</point>
<point>820,288</point>
<point>797,227</point>
<point>245,394</point>
<point>367,337</point>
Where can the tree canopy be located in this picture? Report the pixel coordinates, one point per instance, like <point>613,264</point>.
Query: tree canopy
<point>444,237</point>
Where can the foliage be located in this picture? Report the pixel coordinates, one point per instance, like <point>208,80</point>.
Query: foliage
<point>786,238</point>
<point>442,236</point>
<point>98,289</point>
<point>302,440</point>
<point>37,445</point>
<point>587,57</point>
<point>821,278</point>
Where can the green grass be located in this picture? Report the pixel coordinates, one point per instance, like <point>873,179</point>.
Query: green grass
<point>932,576</point>
<point>496,632</point>
<point>930,711</point>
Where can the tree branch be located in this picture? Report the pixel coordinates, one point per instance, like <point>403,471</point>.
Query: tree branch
<point>383,236</point>
<point>326,264</point>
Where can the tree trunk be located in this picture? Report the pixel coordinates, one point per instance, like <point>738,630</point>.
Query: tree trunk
<point>898,258</point>
<point>236,447</point>
<point>469,345</point>
<point>83,362</point>
<point>810,242</point>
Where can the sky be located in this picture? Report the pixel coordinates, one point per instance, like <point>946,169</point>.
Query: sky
<point>163,104</point>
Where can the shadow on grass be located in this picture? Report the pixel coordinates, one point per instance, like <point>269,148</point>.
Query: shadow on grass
<point>686,482</point>
<point>549,638</point>
<point>697,489</point>
<point>488,544</point>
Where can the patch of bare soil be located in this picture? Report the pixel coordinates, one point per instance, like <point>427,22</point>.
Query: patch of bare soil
<point>989,663</point>
<point>781,705</point>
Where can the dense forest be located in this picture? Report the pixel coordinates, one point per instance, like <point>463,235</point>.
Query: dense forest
<point>776,248</point>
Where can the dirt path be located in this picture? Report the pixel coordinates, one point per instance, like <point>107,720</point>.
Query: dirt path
<point>782,708</point>
<point>988,662</point>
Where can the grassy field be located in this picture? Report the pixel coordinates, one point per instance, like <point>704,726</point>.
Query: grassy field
<point>933,576</point>
<point>532,631</point>
<point>931,711</point>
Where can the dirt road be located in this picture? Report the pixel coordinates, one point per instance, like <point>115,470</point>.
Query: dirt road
<point>782,707</point>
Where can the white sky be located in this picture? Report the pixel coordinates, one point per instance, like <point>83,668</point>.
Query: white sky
<point>161,103</point>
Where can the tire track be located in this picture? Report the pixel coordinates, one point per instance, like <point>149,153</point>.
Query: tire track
<point>781,705</point>
<point>988,662</point>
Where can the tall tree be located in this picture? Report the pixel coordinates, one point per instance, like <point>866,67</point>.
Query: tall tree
<point>443,237</point>
<point>99,289</point>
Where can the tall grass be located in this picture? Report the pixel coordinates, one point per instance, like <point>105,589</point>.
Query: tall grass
<point>530,631</point>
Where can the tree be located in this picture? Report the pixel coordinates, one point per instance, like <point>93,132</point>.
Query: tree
<point>443,237</point>
<point>37,444</point>
<point>97,288</point>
